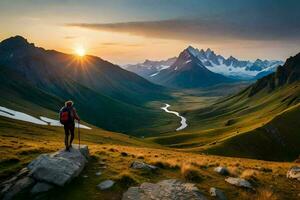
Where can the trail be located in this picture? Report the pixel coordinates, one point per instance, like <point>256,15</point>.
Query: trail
<point>183,119</point>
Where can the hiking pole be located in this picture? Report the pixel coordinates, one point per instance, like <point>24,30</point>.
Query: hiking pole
<point>79,133</point>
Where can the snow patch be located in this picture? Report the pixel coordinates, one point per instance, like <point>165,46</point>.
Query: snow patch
<point>5,112</point>
<point>9,113</point>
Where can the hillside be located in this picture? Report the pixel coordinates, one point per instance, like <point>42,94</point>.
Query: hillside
<point>47,78</point>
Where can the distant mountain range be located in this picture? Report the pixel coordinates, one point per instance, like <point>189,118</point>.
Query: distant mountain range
<point>230,67</point>
<point>106,95</point>
<point>188,72</point>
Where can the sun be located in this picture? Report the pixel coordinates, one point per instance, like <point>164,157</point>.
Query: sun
<point>80,51</point>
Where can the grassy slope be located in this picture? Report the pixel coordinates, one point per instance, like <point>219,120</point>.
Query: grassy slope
<point>21,142</point>
<point>233,116</point>
<point>280,137</point>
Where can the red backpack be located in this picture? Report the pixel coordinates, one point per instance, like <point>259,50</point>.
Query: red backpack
<point>66,115</point>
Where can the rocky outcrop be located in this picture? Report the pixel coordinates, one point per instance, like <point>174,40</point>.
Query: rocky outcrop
<point>46,172</point>
<point>239,182</point>
<point>167,190</point>
<point>294,173</point>
<point>143,166</point>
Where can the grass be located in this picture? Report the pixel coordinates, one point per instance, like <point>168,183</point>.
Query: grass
<point>25,142</point>
<point>238,125</point>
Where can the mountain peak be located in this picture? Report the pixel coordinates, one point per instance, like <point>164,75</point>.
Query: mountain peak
<point>15,42</point>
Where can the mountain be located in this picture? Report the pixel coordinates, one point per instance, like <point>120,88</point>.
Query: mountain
<point>230,67</point>
<point>150,68</point>
<point>105,94</point>
<point>233,67</point>
<point>188,72</point>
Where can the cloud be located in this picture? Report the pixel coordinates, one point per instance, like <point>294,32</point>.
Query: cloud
<point>201,29</point>
<point>120,44</point>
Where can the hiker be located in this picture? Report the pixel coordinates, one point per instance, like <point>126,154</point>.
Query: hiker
<point>68,115</point>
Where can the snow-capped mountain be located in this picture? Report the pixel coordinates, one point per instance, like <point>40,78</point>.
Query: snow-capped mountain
<point>188,72</point>
<point>233,67</point>
<point>150,68</point>
<point>230,67</point>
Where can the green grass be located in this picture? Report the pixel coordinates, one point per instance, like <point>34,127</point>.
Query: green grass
<point>222,126</point>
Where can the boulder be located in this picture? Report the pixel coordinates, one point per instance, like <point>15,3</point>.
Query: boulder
<point>222,170</point>
<point>142,165</point>
<point>171,189</point>
<point>41,187</point>
<point>105,184</point>
<point>217,193</point>
<point>239,182</point>
<point>294,173</point>
<point>60,167</point>
<point>20,186</point>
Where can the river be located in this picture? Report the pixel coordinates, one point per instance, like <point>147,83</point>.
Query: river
<point>183,119</point>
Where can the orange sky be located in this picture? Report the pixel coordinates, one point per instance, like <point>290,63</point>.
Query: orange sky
<point>149,37</point>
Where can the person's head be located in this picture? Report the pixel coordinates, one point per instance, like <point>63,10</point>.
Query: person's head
<point>69,103</point>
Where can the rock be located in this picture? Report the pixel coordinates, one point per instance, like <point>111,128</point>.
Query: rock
<point>41,187</point>
<point>105,184</point>
<point>20,186</point>
<point>23,172</point>
<point>165,190</point>
<point>294,173</point>
<point>218,194</point>
<point>142,165</point>
<point>222,170</point>
<point>85,176</point>
<point>60,167</point>
<point>98,173</point>
<point>239,182</point>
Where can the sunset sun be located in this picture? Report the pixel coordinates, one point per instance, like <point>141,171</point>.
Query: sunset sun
<point>80,51</point>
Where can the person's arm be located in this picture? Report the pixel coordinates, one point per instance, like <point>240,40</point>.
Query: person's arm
<point>75,114</point>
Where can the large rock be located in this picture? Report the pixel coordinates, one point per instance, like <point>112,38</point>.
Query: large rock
<point>142,165</point>
<point>294,173</point>
<point>60,167</point>
<point>20,186</point>
<point>165,190</point>
<point>239,182</point>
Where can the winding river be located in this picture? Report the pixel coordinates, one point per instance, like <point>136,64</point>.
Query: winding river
<point>183,119</point>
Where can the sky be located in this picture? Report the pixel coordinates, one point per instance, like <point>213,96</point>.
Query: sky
<point>130,31</point>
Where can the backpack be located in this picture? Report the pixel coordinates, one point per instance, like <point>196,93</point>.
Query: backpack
<point>65,115</point>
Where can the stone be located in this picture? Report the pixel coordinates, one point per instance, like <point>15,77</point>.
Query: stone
<point>294,173</point>
<point>41,187</point>
<point>20,186</point>
<point>98,173</point>
<point>217,193</point>
<point>60,167</point>
<point>142,165</point>
<point>239,182</point>
<point>171,189</point>
<point>222,170</point>
<point>105,184</point>
<point>23,172</point>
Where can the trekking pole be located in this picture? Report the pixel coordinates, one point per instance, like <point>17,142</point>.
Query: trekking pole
<point>79,134</point>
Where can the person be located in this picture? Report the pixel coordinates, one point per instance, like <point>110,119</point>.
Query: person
<point>68,115</point>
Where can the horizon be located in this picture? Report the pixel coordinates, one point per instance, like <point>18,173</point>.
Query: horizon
<point>131,31</point>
